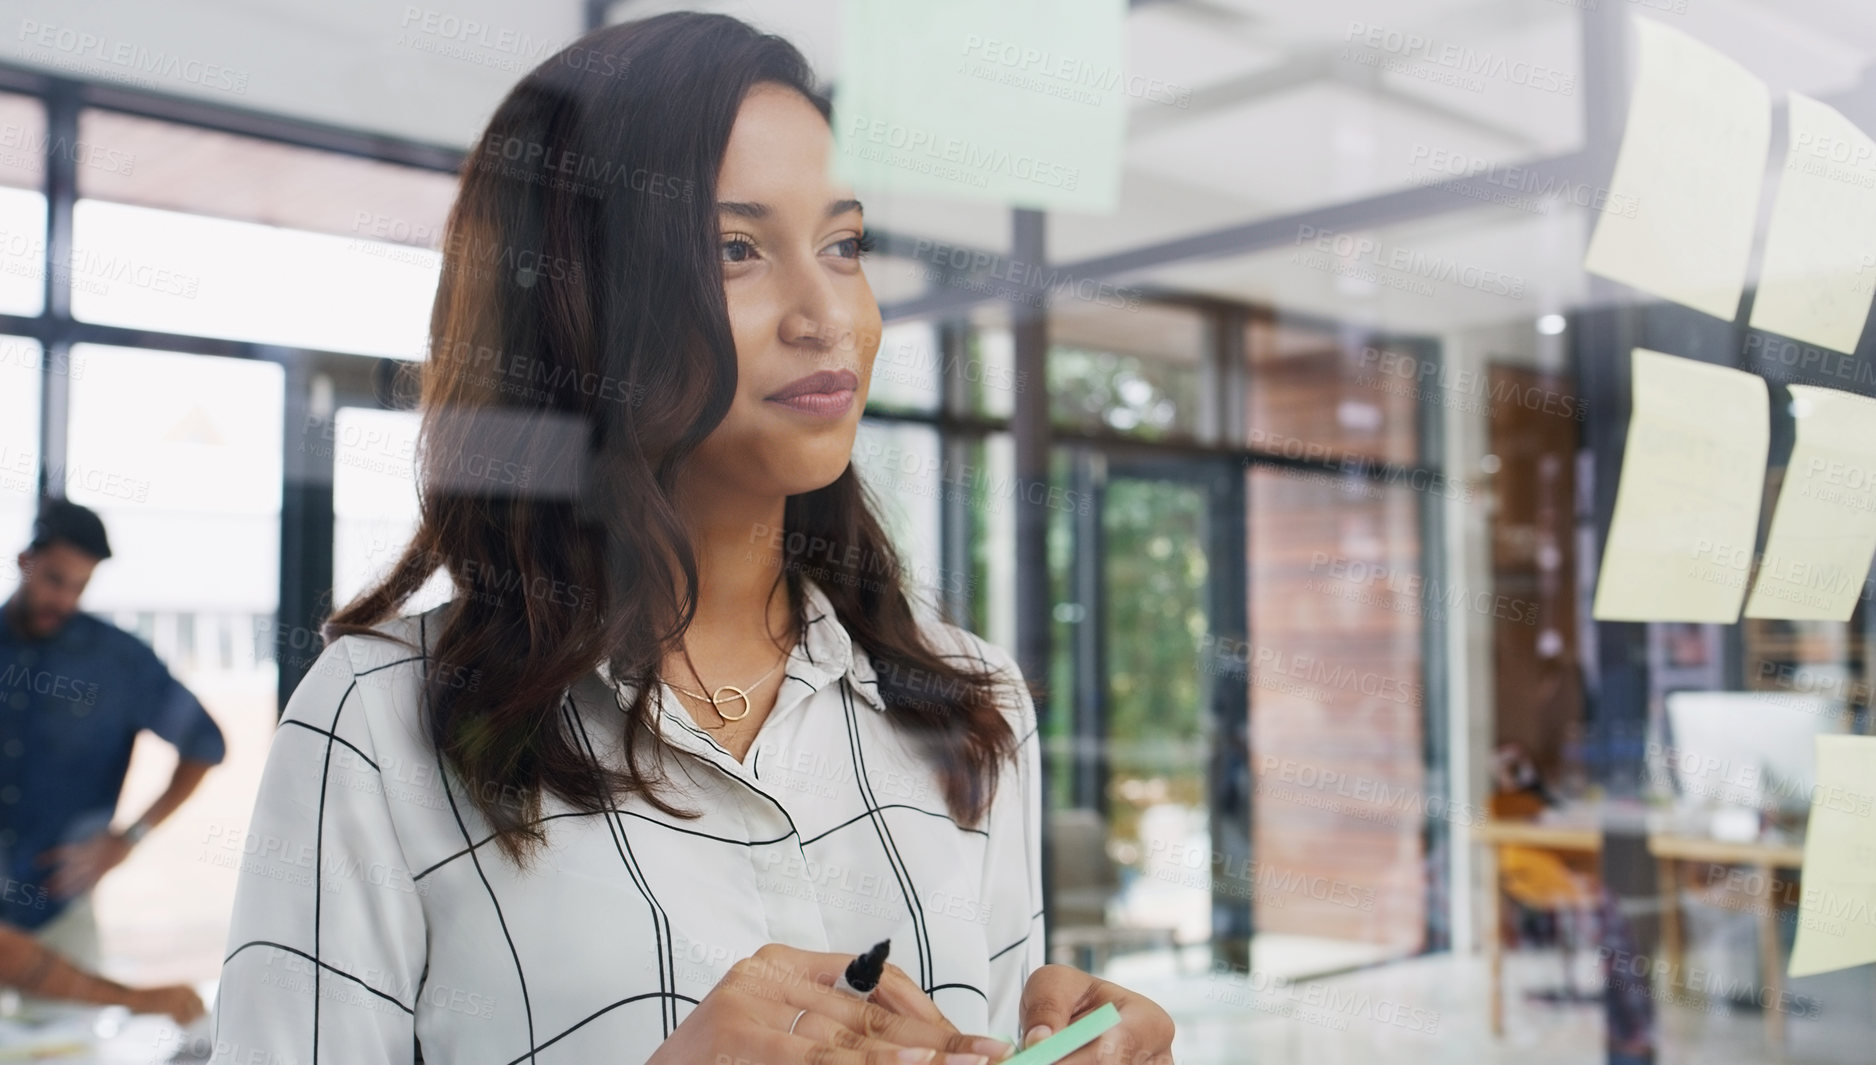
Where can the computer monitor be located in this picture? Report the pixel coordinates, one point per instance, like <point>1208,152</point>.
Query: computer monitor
<point>1748,750</point>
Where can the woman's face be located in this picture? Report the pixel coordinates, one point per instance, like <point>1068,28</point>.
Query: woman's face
<point>803,316</point>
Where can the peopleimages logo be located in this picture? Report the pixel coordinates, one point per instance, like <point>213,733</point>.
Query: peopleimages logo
<point>913,148</point>
<point>1026,276</point>
<point>1406,261</point>
<point>1521,181</point>
<point>1380,796</point>
<point>1421,374</point>
<point>1225,654</point>
<point>1461,60</point>
<point>1170,856</point>
<point>1314,1002</point>
<point>1037,68</point>
<point>128,58</point>
<point>1406,591</point>
<point>1798,580</point>
<point>1343,469</point>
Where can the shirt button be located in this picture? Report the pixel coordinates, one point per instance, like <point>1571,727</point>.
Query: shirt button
<point>18,702</point>
<point>14,748</point>
<point>10,794</point>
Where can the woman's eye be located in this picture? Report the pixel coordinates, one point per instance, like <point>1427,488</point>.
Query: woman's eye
<point>738,250</point>
<point>854,247</point>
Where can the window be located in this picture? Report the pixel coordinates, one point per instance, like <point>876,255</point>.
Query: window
<point>1127,370</point>
<point>900,465</point>
<point>198,232</point>
<point>374,502</point>
<point>22,251</point>
<point>907,371</point>
<point>22,204</point>
<point>20,370</point>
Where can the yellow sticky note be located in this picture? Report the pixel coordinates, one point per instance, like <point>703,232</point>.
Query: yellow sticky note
<point>1824,530</point>
<point>1837,911</point>
<point>1020,103</point>
<point>1692,160</point>
<point>1687,507</point>
<point>1820,250</point>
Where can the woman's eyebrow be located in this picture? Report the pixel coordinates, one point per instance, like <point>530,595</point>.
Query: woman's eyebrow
<point>761,210</point>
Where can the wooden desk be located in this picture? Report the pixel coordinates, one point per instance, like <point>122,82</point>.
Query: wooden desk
<point>1669,851</point>
<point>1495,833</point>
<point>1571,837</point>
<point>1765,859</point>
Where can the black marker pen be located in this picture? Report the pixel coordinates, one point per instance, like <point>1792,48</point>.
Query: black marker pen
<point>863,973</point>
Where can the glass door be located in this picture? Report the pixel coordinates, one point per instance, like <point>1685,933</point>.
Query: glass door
<point>1148,814</point>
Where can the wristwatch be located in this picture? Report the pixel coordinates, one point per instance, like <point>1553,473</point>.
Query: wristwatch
<point>135,833</point>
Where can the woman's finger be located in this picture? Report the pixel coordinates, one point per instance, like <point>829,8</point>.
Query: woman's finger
<point>878,1022</point>
<point>819,968</point>
<point>798,1050</point>
<point>782,1016</point>
<point>1144,1034</point>
<point>821,1028</point>
<point>779,999</point>
<point>1051,998</point>
<point>898,993</point>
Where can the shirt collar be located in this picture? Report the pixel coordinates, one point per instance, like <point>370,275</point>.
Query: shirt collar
<point>826,652</point>
<point>827,648</point>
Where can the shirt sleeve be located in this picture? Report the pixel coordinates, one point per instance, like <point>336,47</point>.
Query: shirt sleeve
<point>1013,865</point>
<point>174,713</point>
<point>327,943</point>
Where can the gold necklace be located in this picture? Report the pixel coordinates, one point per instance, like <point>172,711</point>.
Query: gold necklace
<point>716,698</point>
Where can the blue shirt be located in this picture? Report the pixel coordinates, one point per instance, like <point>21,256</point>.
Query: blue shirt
<point>70,707</point>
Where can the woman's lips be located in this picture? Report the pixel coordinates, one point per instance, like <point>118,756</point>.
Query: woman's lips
<point>822,404</point>
<point>825,393</point>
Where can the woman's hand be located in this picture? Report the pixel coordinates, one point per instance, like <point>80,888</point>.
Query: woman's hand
<point>747,1017</point>
<point>1058,994</point>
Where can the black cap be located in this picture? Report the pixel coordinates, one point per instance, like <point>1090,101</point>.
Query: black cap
<point>61,520</point>
<point>864,972</point>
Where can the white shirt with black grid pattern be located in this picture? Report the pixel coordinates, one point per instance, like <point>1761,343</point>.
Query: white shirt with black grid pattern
<point>375,922</point>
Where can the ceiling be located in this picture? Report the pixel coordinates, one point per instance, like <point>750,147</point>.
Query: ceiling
<point>1283,113</point>
<point>1289,114</point>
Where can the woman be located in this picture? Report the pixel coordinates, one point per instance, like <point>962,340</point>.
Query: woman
<point>679,748</point>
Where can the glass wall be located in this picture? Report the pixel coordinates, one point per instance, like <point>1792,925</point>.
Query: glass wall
<point>1327,466</point>
<point>210,238</point>
<point>180,456</point>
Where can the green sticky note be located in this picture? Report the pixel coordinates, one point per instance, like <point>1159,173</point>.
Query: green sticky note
<point>1070,1039</point>
<point>1018,102</point>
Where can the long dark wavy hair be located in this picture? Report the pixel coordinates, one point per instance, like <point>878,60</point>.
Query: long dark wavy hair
<point>580,350</point>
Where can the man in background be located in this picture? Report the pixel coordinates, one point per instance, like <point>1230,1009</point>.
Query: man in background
<point>32,966</point>
<point>74,692</point>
